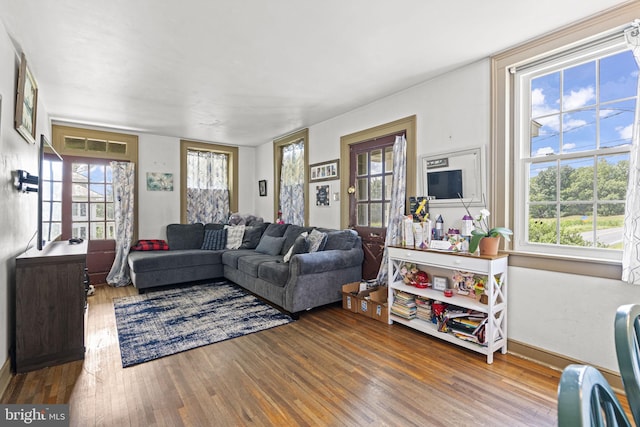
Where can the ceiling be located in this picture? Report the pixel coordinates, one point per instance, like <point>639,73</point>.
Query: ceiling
<point>245,72</point>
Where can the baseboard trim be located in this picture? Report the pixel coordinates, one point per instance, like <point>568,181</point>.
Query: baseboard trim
<point>559,362</point>
<point>5,376</point>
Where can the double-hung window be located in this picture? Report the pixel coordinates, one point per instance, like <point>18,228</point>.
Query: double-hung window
<point>574,121</point>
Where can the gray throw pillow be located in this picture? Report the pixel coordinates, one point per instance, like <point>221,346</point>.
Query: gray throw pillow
<point>298,247</point>
<point>252,235</point>
<point>270,245</point>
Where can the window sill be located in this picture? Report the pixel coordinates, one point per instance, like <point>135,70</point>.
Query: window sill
<point>606,269</point>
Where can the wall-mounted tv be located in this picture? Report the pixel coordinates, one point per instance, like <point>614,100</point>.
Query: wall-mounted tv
<point>49,194</point>
<point>445,184</point>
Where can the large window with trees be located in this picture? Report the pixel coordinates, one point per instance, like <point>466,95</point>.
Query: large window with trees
<point>575,127</point>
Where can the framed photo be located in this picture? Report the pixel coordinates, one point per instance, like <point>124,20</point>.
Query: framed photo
<point>325,171</point>
<point>439,283</point>
<point>262,187</point>
<point>159,181</point>
<point>323,193</point>
<point>26,102</point>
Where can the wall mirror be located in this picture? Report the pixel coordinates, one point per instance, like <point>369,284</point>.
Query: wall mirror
<point>447,174</point>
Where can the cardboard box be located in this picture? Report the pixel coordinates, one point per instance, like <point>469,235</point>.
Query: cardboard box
<point>349,296</point>
<point>379,305</point>
<point>355,300</point>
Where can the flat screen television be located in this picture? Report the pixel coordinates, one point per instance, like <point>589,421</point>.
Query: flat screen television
<point>49,194</point>
<point>445,184</point>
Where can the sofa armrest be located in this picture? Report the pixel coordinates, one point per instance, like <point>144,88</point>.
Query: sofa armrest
<point>322,261</point>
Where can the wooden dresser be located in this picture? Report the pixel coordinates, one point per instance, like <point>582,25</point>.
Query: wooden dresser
<point>50,306</point>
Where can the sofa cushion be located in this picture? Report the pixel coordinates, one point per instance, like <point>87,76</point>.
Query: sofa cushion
<point>275,230</point>
<point>185,236</point>
<point>252,235</point>
<point>141,262</point>
<point>231,258</point>
<point>290,236</point>
<point>214,240</point>
<point>316,241</point>
<point>270,245</point>
<point>234,236</point>
<point>341,239</point>
<point>274,272</point>
<point>249,264</point>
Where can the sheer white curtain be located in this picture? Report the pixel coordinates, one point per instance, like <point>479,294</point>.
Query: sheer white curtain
<point>123,204</point>
<point>631,238</point>
<point>397,205</point>
<point>292,183</point>
<point>207,187</point>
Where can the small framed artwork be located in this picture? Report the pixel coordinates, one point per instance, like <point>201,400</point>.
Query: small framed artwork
<point>158,181</point>
<point>324,171</point>
<point>439,283</point>
<point>262,187</point>
<point>322,195</point>
<point>26,102</point>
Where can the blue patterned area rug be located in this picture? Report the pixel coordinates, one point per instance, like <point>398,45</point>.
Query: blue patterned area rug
<point>165,322</point>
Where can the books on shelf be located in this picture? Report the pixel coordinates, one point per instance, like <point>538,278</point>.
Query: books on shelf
<point>404,305</point>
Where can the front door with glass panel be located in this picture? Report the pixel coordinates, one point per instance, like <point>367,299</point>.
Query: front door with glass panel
<point>371,173</point>
<point>88,211</point>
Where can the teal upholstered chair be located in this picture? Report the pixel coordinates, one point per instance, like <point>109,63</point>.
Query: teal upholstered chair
<point>586,399</point>
<point>627,335</point>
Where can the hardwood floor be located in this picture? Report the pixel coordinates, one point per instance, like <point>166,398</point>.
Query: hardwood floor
<point>331,367</point>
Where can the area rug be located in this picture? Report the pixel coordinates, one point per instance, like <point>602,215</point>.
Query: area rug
<point>165,322</point>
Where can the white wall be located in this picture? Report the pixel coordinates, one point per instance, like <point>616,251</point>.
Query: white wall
<point>156,209</point>
<point>566,314</point>
<point>18,211</point>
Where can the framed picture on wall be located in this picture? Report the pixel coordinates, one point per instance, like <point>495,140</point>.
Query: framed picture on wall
<point>26,102</point>
<point>324,171</point>
<point>262,187</point>
<point>323,193</point>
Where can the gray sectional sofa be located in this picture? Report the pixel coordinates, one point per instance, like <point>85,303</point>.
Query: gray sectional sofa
<point>304,281</point>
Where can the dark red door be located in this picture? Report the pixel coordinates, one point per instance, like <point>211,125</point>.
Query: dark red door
<point>371,173</point>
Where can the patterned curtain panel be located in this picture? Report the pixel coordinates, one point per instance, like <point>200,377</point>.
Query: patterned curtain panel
<point>207,187</point>
<point>396,207</point>
<point>631,237</point>
<point>123,198</point>
<point>292,183</point>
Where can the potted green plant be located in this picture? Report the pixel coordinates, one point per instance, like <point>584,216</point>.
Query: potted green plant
<point>482,231</point>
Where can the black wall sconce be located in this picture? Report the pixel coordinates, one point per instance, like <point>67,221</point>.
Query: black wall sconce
<point>26,182</point>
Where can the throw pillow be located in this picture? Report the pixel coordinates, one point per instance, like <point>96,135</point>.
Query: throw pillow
<point>298,247</point>
<point>252,236</point>
<point>214,240</point>
<point>290,236</point>
<point>316,240</point>
<point>270,245</point>
<point>150,245</point>
<point>234,236</point>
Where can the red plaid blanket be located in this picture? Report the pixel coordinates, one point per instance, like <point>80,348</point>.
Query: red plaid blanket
<point>150,245</point>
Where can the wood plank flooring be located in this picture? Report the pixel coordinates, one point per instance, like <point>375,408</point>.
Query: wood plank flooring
<point>329,368</point>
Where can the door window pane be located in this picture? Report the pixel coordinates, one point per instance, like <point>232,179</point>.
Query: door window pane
<point>363,190</point>
<point>376,188</point>
<point>376,162</point>
<point>362,215</point>
<point>376,214</point>
<point>363,164</point>
<point>388,159</point>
